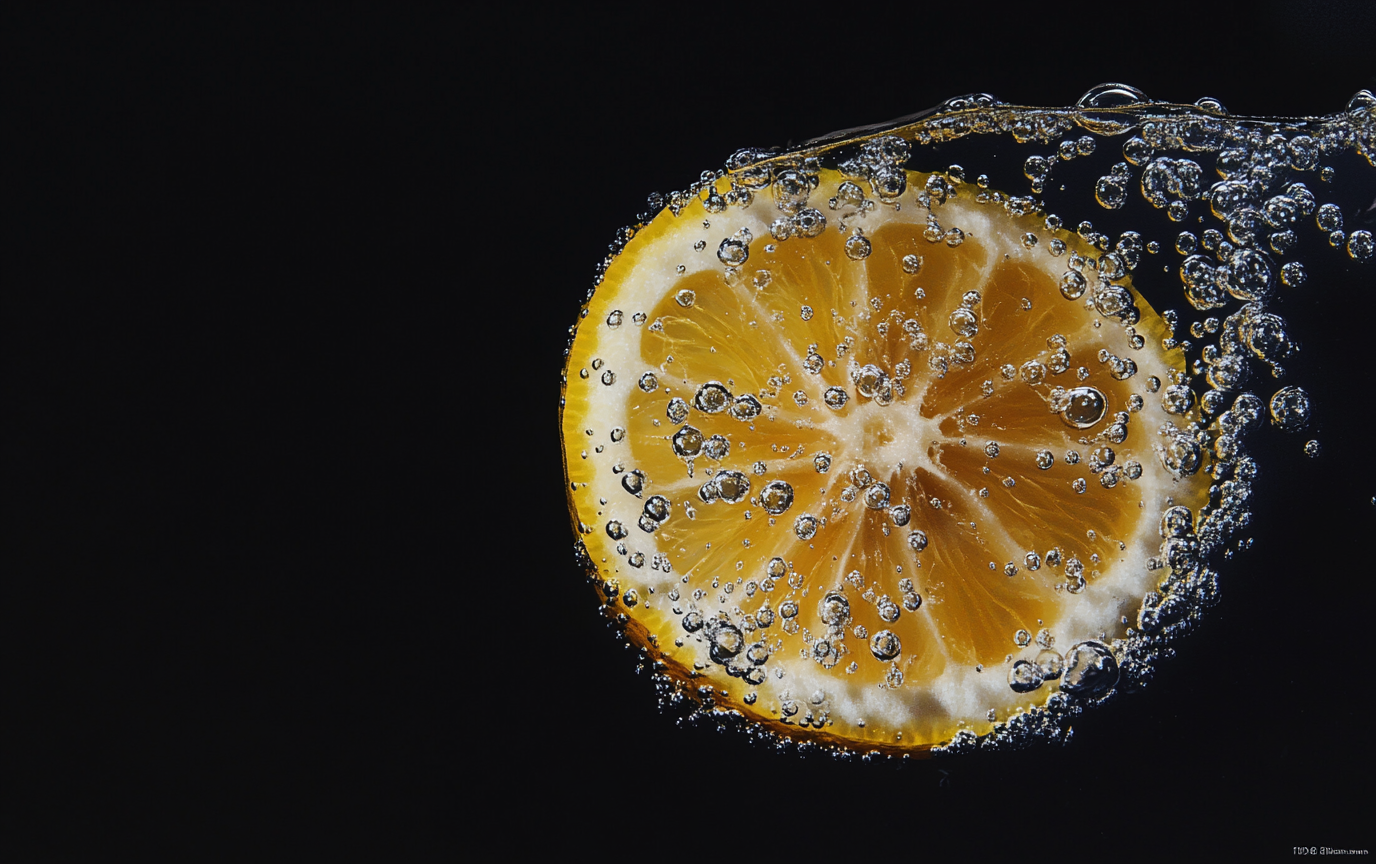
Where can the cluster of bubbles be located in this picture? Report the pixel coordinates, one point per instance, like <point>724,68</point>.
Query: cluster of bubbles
<point>1262,200</point>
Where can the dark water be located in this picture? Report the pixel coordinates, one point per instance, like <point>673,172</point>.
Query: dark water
<point>259,598</point>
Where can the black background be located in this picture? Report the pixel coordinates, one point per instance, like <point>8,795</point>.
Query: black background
<point>285,298</point>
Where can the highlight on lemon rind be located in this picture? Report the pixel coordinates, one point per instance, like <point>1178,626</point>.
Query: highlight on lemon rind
<point>888,460</point>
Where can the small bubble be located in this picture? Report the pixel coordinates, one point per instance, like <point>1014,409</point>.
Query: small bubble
<point>687,442</point>
<point>877,496</point>
<point>1292,274</point>
<point>1360,245</point>
<point>857,247</point>
<point>745,408</point>
<point>885,645</point>
<point>711,398</point>
<point>657,508</point>
<point>1177,399</point>
<point>1024,677</point>
<point>1290,409</point>
<point>716,448</point>
<point>776,497</point>
<point>731,486</point>
<point>677,411</point>
<point>634,482</point>
<point>1033,372</point>
<point>1084,407</point>
<point>964,323</point>
<point>1110,192</point>
<point>1329,217</point>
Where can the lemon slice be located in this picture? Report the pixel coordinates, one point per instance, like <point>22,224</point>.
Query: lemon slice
<point>872,473</point>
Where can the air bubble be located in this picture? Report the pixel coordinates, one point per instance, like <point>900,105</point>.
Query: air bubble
<point>657,508</point>
<point>1090,670</point>
<point>1329,217</point>
<point>1084,407</point>
<point>857,247</point>
<point>712,398</point>
<point>877,496</point>
<point>732,253</point>
<point>834,609</point>
<point>1290,409</point>
<point>1360,245</point>
<point>1177,399</point>
<point>716,448</point>
<point>885,645</point>
<point>776,497</point>
<point>745,407</point>
<point>1025,676</point>
<point>964,323</point>
<point>677,411</point>
<point>687,442</point>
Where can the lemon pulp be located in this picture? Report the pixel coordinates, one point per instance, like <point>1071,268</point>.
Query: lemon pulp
<point>869,474</point>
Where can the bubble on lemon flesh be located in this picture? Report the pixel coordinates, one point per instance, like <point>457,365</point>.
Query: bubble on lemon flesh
<point>894,463</point>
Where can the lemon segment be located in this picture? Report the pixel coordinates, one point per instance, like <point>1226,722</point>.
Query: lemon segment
<point>850,481</point>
